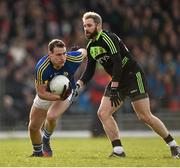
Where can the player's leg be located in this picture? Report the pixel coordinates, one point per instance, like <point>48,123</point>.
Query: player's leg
<point>105,112</point>
<point>54,112</point>
<point>37,117</point>
<point>142,109</point>
<point>141,105</point>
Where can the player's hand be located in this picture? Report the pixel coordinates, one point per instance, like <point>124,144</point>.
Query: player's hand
<point>66,92</point>
<point>75,93</point>
<point>114,97</point>
<point>74,48</point>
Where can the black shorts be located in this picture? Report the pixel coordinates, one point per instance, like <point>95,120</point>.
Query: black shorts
<point>133,84</point>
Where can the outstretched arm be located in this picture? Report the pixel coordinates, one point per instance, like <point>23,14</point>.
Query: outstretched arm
<point>89,71</point>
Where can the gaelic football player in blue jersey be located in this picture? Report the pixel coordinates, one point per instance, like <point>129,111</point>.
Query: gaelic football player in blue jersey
<point>48,107</point>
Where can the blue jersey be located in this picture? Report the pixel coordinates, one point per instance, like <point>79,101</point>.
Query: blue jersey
<point>44,70</point>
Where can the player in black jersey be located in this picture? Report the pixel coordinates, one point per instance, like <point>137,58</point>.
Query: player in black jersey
<point>128,80</point>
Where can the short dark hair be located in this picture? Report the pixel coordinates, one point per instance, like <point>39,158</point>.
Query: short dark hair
<point>93,15</point>
<point>55,43</point>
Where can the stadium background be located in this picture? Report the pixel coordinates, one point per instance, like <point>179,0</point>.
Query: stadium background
<point>150,29</point>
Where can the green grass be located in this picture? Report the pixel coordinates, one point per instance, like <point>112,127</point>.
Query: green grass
<point>82,152</point>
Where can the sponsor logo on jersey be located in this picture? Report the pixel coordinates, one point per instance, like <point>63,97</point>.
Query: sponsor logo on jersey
<point>103,59</point>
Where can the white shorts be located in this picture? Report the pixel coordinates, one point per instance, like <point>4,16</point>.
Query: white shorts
<point>45,104</point>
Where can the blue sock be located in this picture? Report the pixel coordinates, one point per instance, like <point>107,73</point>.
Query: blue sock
<point>46,135</point>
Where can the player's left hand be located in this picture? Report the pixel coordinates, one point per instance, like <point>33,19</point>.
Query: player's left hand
<point>75,93</point>
<point>114,97</point>
<point>66,92</point>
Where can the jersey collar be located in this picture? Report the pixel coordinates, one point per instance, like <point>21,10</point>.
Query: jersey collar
<point>99,34</point>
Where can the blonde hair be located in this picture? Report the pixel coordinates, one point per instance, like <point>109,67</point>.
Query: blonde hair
<point>93,15</point>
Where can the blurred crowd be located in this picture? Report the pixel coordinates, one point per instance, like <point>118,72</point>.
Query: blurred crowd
<point>149,28</point>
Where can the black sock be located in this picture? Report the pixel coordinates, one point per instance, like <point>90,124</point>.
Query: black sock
<point>168,139</point>
<point>37,148</point>
<point>116,142</point>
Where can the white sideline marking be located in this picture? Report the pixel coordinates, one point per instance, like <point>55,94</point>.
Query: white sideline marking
<point>81,134</point>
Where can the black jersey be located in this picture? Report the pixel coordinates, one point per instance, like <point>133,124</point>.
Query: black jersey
<point>108,50</point>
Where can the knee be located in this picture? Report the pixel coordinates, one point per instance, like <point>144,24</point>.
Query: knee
<point>146,118</point>
<point>103,115</point>
<point>33,126</point>
<point>52,118</point>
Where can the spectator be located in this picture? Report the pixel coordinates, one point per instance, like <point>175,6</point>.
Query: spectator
<point>151,30</point>
<point>9,114</point>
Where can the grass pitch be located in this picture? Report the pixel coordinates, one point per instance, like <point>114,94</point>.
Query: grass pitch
<point>89,152</point>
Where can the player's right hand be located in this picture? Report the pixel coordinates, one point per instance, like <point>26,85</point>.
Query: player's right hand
<point>66,92</point>
<point>114,97</point>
